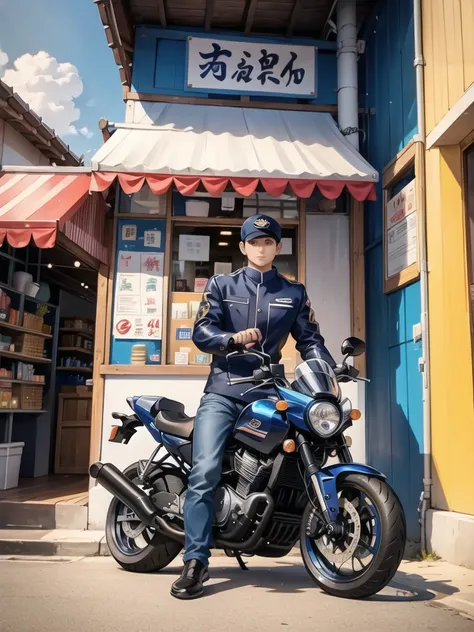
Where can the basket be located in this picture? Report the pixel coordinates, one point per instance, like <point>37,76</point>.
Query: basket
<point>29,397</point>
<point>31,345</point>
<point>30,321</point>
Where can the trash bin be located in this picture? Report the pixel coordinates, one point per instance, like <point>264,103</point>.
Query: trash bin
<point>10,459</point>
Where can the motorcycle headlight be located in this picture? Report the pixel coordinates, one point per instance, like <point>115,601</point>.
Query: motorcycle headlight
<point>324,418</point>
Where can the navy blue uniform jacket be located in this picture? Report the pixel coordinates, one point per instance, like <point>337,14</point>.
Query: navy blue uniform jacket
<point>248,298</point>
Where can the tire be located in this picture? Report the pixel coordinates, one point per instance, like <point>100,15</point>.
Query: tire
<point>385,561</point>
<point>160,551</point>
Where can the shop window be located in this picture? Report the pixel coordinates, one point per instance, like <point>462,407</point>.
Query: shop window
<point>162,267</point>
<point>317,204</point>
<point>163,262</point>
<point>231,206</point>
<point>142,203</point>
<point>199,252</point>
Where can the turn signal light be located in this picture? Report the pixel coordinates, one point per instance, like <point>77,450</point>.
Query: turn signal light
<point>289,445</point>
<point>281,405</point>
<point>113,433</point>
<point>348,441</point>
<point>355,414</point>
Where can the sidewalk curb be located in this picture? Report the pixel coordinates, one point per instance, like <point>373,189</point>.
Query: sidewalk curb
<point>67,544</point>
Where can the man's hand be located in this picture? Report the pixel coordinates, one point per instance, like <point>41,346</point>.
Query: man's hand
<point>248,337</point>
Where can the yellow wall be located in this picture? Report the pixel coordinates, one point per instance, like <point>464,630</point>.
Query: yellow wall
<point>448,42</point>
<point>448,49</point>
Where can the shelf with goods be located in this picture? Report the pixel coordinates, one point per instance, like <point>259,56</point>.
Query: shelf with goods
<point>28,343</point>
<point>75,351</point>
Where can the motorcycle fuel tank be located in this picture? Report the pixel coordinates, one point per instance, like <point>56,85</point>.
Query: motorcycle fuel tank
<point>261,427</point>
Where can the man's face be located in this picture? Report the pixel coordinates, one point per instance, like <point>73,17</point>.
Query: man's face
<point>260,251</point>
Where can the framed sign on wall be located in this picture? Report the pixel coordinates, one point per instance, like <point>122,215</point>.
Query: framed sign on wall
<point>401,223</point>
<point>241,66</point>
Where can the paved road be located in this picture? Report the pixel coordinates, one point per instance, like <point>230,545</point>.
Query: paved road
<point>94,595</point>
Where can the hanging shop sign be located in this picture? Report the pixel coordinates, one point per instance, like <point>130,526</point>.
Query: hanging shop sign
<point>401,229</point>
<point>242,66</point>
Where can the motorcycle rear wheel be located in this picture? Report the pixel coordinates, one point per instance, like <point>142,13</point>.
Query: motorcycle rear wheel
<point>158,550</point>
<point>377,531</point>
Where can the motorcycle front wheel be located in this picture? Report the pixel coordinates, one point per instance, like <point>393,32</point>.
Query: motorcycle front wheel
<point>135,546</point>
<point>364,560</point>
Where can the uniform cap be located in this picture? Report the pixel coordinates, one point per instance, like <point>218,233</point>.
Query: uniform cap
<point>260,226</point>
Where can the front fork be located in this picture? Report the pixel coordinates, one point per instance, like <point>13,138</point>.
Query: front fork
<point>324,486</point>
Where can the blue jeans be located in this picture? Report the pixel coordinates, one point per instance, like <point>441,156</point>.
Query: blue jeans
<point>215,419</point>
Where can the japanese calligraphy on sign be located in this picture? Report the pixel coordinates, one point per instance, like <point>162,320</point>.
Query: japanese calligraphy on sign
<point>242,66</point>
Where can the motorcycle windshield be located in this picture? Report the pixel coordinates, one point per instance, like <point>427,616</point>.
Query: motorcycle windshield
<point>315,377</point>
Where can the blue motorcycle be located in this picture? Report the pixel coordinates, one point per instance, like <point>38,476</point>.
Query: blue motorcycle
<point>276,487</point>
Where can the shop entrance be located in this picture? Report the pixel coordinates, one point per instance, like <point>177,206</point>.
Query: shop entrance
<point>47,315</point>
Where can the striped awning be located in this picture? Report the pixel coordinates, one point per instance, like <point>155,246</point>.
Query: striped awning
<point>35,204</point>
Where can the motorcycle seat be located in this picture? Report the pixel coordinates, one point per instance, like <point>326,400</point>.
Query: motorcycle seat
<point>175,423</point>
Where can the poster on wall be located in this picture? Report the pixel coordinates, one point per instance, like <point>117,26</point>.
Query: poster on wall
<point>401,230</point>
<point>242,66</point>
<point>194,247</point>
<point>139,296</point>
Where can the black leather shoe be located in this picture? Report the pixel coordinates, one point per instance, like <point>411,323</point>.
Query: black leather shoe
<point>190,583</point>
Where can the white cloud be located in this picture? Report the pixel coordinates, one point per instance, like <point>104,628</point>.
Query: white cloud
<point>84,131</point>
<point>3,58</point>
<point>49,88</point>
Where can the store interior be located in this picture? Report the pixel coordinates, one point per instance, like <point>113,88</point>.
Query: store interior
<point>47,313</point>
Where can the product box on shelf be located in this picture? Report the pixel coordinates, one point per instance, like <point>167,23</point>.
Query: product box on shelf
<point>31,321</point>
<point>79,323</point>
<point>29,397</point>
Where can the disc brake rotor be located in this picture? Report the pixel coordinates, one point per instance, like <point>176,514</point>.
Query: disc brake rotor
<point>133,528</point>
<point>340,551</point>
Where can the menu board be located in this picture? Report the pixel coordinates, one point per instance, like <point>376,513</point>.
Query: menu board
<point>138,292</point>
<point>139,295</point>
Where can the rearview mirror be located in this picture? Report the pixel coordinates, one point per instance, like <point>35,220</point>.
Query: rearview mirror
<point>353,346</point>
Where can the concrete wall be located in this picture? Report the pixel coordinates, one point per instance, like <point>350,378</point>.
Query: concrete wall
<point>17,150</point>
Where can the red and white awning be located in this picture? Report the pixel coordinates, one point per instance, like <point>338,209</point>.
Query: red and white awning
<point>37,203</point>
<point>192,145</point>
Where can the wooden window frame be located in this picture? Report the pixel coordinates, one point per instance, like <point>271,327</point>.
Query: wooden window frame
<point>411,157</point>
<point>468,145</point>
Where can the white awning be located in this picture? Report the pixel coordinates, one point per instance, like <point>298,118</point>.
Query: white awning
<point>217,145</point>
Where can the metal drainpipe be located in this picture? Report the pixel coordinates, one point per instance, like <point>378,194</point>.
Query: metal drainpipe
<point>347,89</point>
<point>425,499</point>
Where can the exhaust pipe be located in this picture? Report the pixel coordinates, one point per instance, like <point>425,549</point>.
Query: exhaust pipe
<point>115,482</point>
<point>112,479</point>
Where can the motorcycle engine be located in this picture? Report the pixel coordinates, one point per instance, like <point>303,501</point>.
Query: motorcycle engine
<point>253,474</point>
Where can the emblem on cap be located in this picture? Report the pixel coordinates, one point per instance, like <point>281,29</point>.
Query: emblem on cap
<point>261,223</point>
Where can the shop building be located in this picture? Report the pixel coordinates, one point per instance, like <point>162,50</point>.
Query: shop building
<point>220,123</point>
<point>312,113</point>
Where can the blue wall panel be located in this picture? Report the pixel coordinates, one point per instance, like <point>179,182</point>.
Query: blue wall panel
<point>394,396</point>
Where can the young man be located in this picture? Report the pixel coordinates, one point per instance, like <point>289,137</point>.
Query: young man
<point>257,307</point>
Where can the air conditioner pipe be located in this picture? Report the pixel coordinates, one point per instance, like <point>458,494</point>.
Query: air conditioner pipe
<point>347,86</point>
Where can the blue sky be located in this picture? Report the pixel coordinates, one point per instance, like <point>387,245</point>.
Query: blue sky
<point>71,32</point>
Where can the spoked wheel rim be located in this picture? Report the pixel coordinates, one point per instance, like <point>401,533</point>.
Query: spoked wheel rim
<point>350,557</point>
<point>132,536</point>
